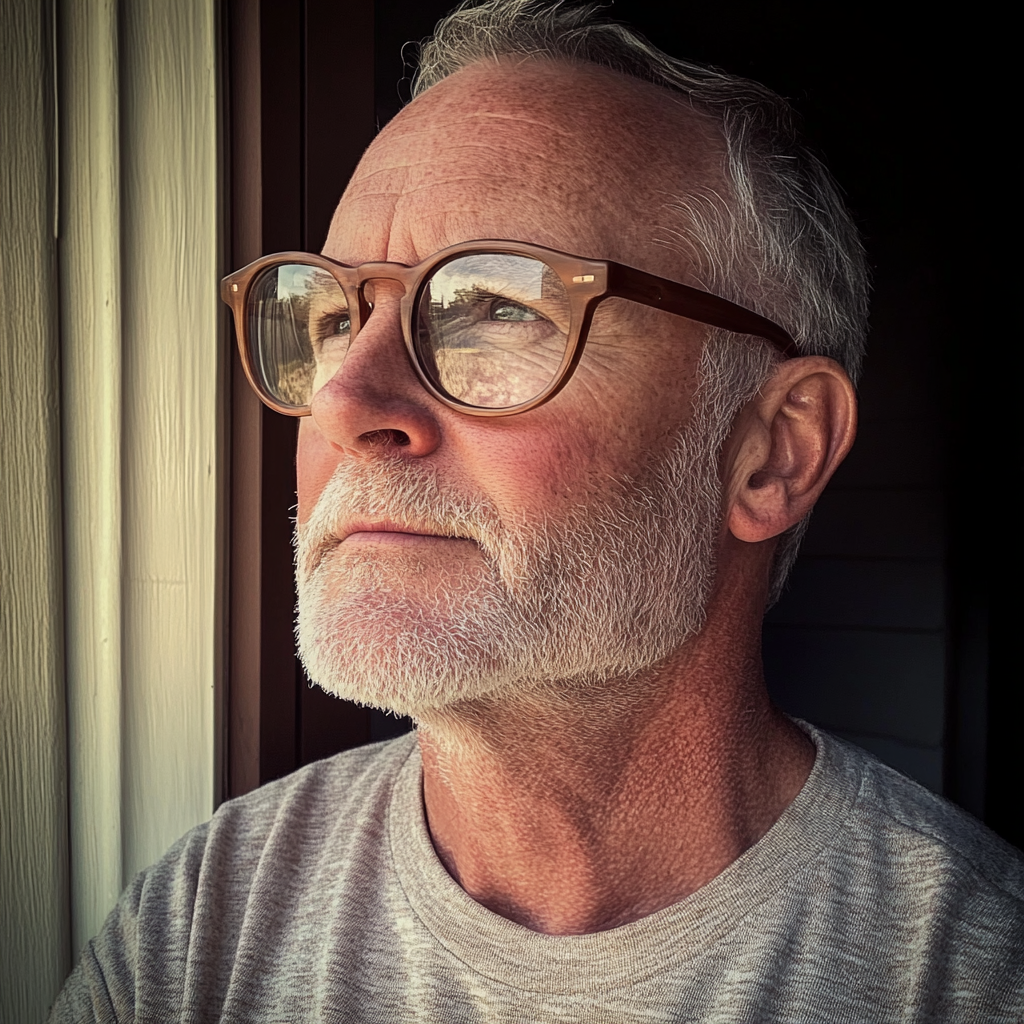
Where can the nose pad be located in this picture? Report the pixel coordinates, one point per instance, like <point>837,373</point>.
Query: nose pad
<point>379,309</point>
<point>365,306</point>
<point>375,301</point>
<point>377,291</point>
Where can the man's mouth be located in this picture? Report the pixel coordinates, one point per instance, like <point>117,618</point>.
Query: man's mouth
<point>387,532</point>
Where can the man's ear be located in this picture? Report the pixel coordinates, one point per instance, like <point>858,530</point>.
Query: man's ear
<point>785,446</point>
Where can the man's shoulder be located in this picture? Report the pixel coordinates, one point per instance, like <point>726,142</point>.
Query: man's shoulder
<point>345,782</point>
<point>899,829</point>
<point>901,889</point>
<point>343,798</point>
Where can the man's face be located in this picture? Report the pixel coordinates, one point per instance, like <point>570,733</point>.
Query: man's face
<point>443,556</point>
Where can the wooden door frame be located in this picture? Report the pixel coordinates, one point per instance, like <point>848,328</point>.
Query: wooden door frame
<point>289,155</point>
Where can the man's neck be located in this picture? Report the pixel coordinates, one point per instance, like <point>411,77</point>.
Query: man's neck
<point>575,812</point>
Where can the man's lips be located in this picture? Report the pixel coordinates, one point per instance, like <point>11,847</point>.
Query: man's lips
<point>389,533</point>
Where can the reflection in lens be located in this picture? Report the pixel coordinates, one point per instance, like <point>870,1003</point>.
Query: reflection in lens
<point>492,328</point>
<point>299,326</point>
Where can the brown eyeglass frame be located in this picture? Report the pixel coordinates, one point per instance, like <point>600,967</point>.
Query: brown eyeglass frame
<point>586,282</point>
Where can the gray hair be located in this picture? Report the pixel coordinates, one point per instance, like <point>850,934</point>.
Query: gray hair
<point>782,243</point>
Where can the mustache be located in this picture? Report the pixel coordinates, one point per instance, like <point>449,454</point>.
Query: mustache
<point>396,490</point>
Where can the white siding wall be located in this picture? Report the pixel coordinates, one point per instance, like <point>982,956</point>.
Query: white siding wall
<point>91,341</point>
<point>136,495</point>
<point>34,946</point>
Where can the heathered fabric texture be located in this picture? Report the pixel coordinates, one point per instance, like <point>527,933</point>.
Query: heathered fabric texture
<point>319,898</point>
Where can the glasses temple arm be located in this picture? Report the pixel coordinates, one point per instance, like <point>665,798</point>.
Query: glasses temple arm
<point>639,286</point>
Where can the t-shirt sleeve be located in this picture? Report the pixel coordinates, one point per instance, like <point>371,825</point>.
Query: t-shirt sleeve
<point>102,987</point>
<point>84,997</point>
<point>106,985</point>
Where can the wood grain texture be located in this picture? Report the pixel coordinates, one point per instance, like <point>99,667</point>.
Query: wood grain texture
<point>141,351</point>
<point>33,816</point>
<point>90,273</point>
<point>170,388</point>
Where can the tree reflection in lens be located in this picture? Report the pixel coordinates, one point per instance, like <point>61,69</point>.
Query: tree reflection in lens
<point>299,320</point>
<point>495,328</point>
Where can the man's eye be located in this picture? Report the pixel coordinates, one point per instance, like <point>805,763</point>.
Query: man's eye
<point>507,310</point>
<point>329,326</point>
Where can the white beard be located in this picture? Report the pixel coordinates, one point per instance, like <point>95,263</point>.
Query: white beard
<point>594,593</point>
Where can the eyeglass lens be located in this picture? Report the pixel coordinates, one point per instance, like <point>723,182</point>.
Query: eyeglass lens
<point>494,326</point>
<point>299,329</point>
<point>490,329</point>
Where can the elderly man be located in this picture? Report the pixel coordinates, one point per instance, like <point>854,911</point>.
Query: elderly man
<point>574,366</point>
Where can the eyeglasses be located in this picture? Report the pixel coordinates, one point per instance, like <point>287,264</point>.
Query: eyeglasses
<point>492,328</point>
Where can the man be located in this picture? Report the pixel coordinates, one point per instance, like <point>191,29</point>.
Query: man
<point>553,471</point>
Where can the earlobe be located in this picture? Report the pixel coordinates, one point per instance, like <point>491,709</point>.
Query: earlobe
<point>786,445</point>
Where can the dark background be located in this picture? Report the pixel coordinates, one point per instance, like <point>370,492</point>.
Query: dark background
<point>900,629</point>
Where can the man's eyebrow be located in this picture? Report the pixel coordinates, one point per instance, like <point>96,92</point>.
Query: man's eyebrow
<point>322,290</point>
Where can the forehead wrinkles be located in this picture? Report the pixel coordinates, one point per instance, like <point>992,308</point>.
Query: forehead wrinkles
<point>575,157</point>
<point>503,178</point>
<point>604,126</point>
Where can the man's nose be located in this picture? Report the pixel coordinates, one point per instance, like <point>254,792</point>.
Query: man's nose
<point>375,400</point>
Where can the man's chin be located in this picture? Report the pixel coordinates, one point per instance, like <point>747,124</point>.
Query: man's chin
<point>400,657</point>
<point>416,694</point>
<point>424,665</point>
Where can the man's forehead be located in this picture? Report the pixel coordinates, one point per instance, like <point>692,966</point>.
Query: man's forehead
<point>570,156</point>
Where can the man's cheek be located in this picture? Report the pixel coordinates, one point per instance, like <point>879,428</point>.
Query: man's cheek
<point>572,465</point>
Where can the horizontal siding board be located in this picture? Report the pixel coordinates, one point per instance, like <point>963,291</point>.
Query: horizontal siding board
<point>886,594</point>
<point>866,681</point>
<point>877,524</point>
<point>892,454</point>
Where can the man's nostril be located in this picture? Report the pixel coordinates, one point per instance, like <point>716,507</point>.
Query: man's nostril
<point>386,438</point>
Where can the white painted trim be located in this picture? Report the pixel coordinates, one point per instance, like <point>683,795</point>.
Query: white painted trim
<point>90,273</point>
<point>139,268</point>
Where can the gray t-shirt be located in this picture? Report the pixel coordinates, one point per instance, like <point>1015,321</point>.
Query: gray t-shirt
<point>319,898</point>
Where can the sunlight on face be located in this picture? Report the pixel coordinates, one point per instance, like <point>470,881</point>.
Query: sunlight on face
<point>593,592</point>
<point>606,563</point>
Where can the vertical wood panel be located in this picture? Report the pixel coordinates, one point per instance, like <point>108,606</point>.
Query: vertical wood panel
<point>265,115</point>
<point>171,374</point>
<point>300,119</point>
<point>33,837</point>
<point>244,176</point>
<point>339,125</point>
<point>339,106</point>
<point>90,272</point>
<point>281,227</point>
